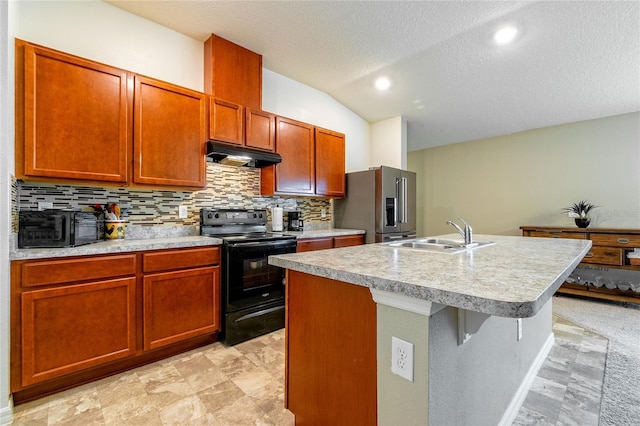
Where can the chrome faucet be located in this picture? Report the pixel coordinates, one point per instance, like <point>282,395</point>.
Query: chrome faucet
<point>466,233</point>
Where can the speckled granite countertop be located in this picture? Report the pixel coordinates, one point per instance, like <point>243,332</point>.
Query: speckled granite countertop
<point>156,242</point>
<point>115,246</point>
<point>513,278</point>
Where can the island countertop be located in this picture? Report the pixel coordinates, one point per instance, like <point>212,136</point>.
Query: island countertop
<point>513,278</point>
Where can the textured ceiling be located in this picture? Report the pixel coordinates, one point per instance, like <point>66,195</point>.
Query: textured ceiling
<point>572,61</point>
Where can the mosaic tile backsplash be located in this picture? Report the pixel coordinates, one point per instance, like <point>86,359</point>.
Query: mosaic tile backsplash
<point>227,187</point>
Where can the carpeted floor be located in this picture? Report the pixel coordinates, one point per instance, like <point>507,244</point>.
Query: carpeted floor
<point>620,404</point>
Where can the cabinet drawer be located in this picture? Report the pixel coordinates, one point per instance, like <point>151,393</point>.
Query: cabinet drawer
<point>348,240</point>
<point>314,244</point>
<point>70,328</point>
<point>46,272</point>
<point>558,234</point>
<point>616,240</point>
<point>180,259</point>
<point>604,256</point>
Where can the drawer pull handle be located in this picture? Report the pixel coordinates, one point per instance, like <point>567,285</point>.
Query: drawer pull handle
<point>588,255</point>
<point>555,236</point>
<point>623,240</point>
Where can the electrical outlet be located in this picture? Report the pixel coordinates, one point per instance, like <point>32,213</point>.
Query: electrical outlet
<point>323,213</point>
<point>182,212</point>
<point>402,358</point>
<point>45,205</point>
<point>519,331</point>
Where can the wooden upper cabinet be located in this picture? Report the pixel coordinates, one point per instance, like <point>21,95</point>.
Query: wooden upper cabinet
<point>232,73</point>
<point>225,122</point>
<point>260,129</point>
<point>330,158</point>
<point>169,135</point>
<point>296,173</point>
<point>72,117</point>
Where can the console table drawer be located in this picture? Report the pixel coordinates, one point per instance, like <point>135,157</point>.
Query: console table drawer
<point>543,233</point>
<point>604,256</point>
<point>616,240</point>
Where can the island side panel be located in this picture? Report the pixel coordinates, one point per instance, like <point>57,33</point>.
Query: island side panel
<point>475,382</point>
<point>330,352</point>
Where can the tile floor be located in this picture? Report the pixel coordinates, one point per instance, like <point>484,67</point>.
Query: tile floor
<point>212,385</point>
<point>242,385</point>
<point>568,387</point>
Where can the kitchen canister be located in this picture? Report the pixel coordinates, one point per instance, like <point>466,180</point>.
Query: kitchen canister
<point>276,219</point>
<point>114,229</point>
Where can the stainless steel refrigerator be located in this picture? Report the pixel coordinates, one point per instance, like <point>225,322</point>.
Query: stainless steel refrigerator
<point>382,201</point>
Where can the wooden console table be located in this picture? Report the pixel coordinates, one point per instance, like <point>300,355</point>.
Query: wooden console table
<point>609,250</point>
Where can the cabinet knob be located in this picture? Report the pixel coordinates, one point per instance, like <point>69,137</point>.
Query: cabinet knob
<point>588,255</point>
<point>623,240</point>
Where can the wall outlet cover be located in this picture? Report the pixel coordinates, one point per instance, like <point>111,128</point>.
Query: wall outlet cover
<point>45,205</point>
<point>182,212</point>
<point>402,358</point>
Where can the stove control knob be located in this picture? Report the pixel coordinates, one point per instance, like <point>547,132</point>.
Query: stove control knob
<point>260,215</point>
<point>217,215</point>
<point>209,215</point>
<point>255,215</point>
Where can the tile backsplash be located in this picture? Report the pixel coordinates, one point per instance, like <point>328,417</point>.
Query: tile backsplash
<point>227,187</point>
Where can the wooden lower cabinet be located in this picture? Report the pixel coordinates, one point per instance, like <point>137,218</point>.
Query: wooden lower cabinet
<point>330,339</point>
<point>322,243</point>
<point>69,328</point>
<point>179,305</point>
<point>93,316</point>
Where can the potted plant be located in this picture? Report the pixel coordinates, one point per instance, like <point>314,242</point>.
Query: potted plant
<point>581,213</point>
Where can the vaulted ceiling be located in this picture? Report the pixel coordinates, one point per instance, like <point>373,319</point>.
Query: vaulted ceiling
<point>570,61</point>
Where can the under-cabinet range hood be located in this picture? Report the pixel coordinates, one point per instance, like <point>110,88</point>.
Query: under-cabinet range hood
<point>234,155</point>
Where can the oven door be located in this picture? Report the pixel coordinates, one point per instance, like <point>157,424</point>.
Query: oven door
<point>249,279</point>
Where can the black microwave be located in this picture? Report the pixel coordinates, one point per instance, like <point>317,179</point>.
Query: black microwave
<point>58,228</point>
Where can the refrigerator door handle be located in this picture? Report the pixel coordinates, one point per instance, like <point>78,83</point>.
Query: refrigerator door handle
<point>400,201</point>
<point>405,196</point>
<point>397,203</point>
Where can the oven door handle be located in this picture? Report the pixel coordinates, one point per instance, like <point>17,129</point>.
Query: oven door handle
<point>282,243</point>
<point>259,313</point>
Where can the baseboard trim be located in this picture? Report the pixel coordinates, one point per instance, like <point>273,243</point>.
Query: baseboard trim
<point>516,402</point>
<point>6,414</point>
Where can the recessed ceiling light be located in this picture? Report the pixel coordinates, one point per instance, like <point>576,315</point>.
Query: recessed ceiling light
<point>505,35</point>
<point>383,83</point>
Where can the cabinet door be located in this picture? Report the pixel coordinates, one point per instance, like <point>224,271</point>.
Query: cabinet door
<point>70,328</point>
<point>74,117</point>
<point>295,143</point>
<point>260,128</point>
<point>169,135</point>
<point>225,122</point>
<point>330,177</point>
<point>180,305</point>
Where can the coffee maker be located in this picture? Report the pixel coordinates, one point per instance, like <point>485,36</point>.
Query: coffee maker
<point>294,222</point>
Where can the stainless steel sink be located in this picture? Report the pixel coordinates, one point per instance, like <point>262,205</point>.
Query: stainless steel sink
<point>438,245</point>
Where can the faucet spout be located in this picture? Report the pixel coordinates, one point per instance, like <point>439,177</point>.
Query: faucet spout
<point>466,233</point>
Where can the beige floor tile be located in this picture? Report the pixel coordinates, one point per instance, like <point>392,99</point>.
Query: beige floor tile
<point>138,410</point>
<point>221,395</point>
<point>183,412</point>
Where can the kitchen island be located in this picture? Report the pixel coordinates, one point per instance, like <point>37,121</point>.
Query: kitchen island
<point>479,322</point>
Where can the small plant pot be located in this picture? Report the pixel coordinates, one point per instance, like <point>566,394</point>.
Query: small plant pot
<point>582,222</point>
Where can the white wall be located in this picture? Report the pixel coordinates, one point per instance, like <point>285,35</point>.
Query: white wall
<point>289,98</point>
<point>6,170</point>
<point>389,143</point>
<point>499,184</point>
